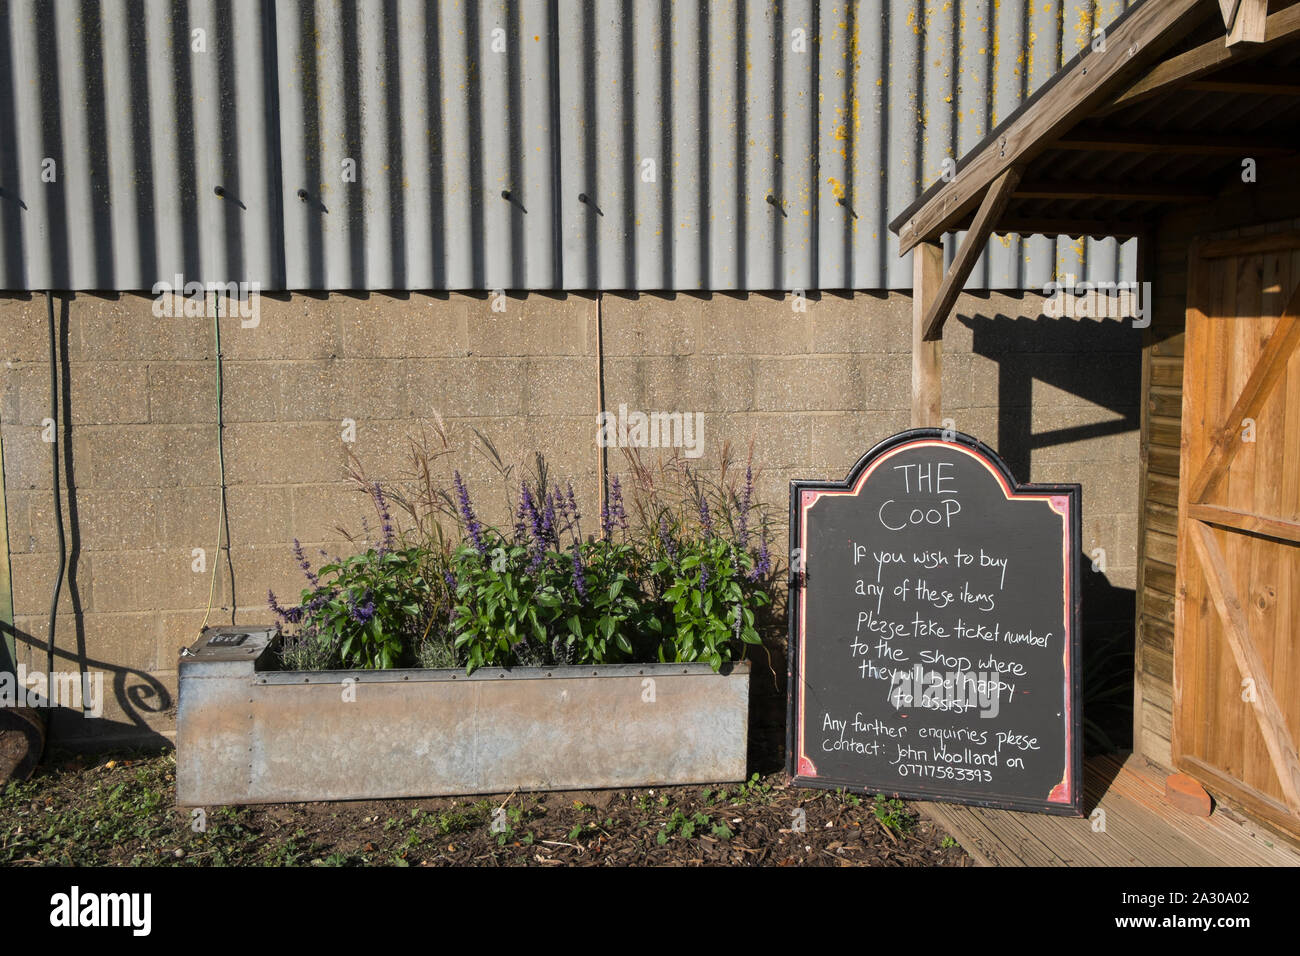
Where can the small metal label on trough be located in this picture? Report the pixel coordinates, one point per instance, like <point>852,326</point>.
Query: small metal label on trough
<point>227,639</point>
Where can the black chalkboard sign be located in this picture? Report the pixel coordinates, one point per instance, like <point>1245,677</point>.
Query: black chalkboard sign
<point>934,629</point>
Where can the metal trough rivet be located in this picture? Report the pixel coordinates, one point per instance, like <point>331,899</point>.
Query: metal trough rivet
<point>302,194</point>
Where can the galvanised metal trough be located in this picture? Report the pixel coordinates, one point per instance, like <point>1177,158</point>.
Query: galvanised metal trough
<point>245,734</point>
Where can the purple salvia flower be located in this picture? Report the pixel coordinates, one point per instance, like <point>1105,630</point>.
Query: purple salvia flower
<point>579,579</point>
<point>704,577</point>
<point>573,511</point>
<point>472,526</point>
<point>548,518</point>
<point>616,504</point>
<point>666,539</point>
<point>290,615</point>
<point>706,519</point>
<point>361,613</point>
<point>528,507</point>
<point>303,563</point>
<point>606,522</point>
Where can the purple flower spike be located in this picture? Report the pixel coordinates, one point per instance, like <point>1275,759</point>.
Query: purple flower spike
<point>361,613</point>
<point>305,564</point>
<point>290,615</point>
<point>706,519</point>
<point>472,525</point>
<point>549,532</point>
<point>666,539</point>
<point>573,511</point>
<point>616,504</point>
<point>385,519</point>
<point>528,508</point>
<point>579,579</point>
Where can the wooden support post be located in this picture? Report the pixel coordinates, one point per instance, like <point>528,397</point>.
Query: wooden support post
<point>1250,23</point>
<point>927,368</point>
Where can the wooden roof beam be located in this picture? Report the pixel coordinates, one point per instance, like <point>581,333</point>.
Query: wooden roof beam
<point>1206,58</point>
<point>995,201</point>
<point>1259,82</point>
<point>1143,33</point>
<point>1123,192</point>
<point>1195,144</point>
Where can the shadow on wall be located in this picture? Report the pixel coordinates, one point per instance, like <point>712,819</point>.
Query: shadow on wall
<point>1098,361</point>
<point>135,692</point>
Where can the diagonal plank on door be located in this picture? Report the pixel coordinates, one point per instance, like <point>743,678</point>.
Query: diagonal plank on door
<point>1272,725</point>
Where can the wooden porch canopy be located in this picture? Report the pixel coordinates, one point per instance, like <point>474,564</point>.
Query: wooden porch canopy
<point>1165,111</point>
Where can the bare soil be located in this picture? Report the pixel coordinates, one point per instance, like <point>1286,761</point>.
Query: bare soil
<point>119,810</point>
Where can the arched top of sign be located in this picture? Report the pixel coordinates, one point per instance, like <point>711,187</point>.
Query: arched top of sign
<point>1057,495</point>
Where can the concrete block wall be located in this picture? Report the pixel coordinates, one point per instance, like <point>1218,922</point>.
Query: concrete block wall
<point>812,390</point>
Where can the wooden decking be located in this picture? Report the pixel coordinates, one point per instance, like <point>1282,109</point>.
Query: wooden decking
<point>1141,829</point>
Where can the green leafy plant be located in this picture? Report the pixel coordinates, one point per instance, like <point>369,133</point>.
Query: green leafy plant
<point>688,825</point>
<point>893,814</point>
<point>682,573</point>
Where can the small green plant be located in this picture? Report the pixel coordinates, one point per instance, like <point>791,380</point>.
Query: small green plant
<point>948,843</point>
<point>754,790</point>
<point>688,825</point>
<point>893,814</point>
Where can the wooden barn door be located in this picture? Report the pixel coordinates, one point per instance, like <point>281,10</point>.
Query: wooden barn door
<point>1237,640</point>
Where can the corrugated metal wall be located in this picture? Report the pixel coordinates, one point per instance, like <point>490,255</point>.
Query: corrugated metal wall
<point>522,144</point>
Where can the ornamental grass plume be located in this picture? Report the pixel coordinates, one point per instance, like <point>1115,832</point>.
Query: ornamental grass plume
<point>746,499</point>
